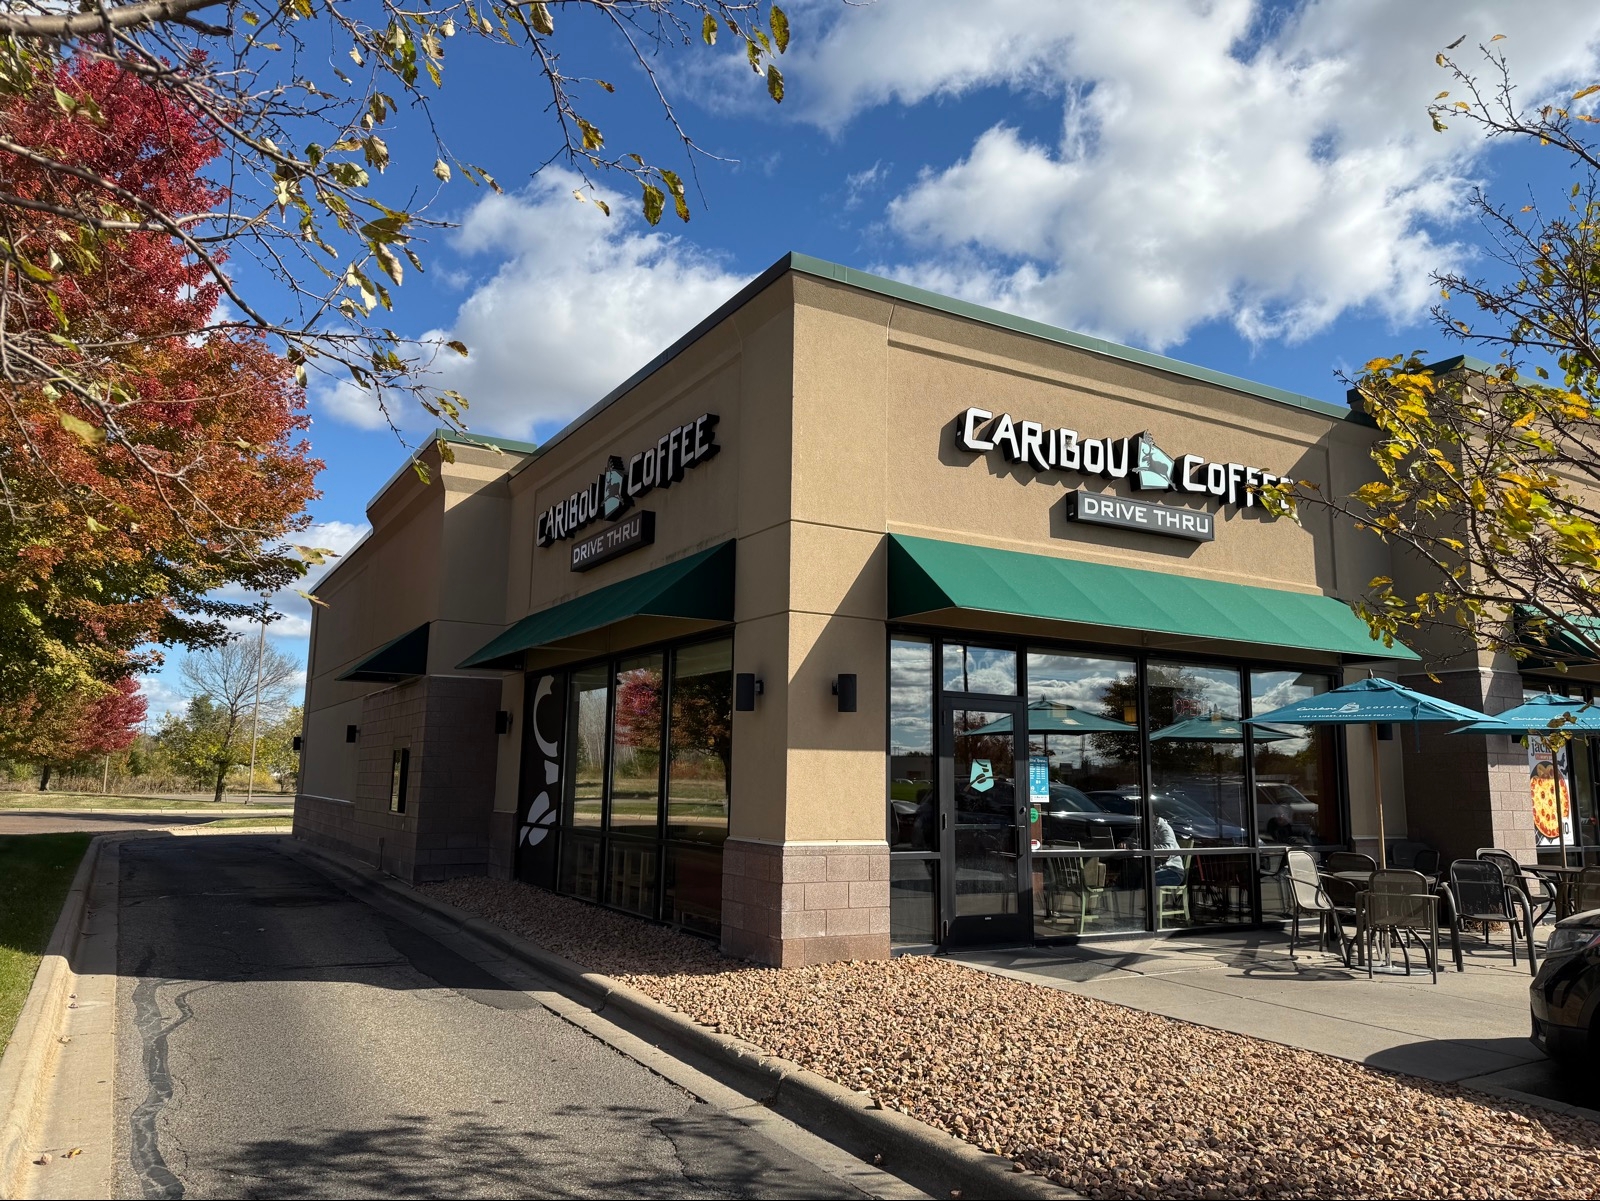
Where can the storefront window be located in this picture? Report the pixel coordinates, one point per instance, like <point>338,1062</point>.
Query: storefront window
<point>1297,783</point>
<point>913,813</point>
<point>701,739</point>
<point>636,745</point>
<point>694,888</point>
<point>1083,721</point>
<point>1196,757</point>
<point>628,716</point>
<point>991,670</point>
<point>588,709</point>
<point>1204,890</point>
<point>1088,894</point>
<point>913,901</point>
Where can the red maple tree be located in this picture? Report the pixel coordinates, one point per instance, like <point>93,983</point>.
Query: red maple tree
<point>122,510</point>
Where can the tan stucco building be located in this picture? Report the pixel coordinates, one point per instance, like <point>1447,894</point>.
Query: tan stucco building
<point>865,618</point>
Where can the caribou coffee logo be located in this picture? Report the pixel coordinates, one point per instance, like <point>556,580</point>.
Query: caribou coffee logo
<point>1136,459</point>
<point>620,484</point>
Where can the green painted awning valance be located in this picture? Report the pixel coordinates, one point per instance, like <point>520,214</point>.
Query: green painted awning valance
<point>699,588</point>
<point>927,576</point>
<point>399,659</point>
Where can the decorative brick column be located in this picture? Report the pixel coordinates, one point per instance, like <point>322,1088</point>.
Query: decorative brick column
<point>798,903</point>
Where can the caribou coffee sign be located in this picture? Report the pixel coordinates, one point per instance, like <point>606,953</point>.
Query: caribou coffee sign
<point>1136,459</point>
<point>622,483</point>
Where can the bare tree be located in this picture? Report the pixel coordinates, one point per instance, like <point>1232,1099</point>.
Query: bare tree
<point>223,680</point>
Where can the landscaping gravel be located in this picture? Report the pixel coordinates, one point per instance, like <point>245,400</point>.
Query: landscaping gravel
<point>1110,1102</point>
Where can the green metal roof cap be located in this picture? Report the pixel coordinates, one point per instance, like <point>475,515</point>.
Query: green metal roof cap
<point>699,587</point>
<point>398,659</point>
<point>926,575</point>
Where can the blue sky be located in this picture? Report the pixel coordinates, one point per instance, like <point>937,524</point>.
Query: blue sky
<point>1250,186</point>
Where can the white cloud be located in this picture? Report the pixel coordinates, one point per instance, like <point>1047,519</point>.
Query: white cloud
<point>578,303</point>
<point>1228,160</point>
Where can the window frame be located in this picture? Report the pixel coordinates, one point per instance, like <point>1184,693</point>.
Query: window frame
<point>656,838</point>
<point>1141,656</point>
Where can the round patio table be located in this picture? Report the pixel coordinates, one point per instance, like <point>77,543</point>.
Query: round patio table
<point>1561,877</point>
<point>1361,880</point>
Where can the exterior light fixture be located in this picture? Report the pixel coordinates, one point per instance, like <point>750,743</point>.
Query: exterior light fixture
<point>745,690</point>
<point>845,689</point>
<point>1385,732</point>
<point>351,733</point>
<point>502,721</point>
<point>299,742</point>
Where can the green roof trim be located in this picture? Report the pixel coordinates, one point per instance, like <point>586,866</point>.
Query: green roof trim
<point>926,576</point>
<point>401,658</point>
<point>699,588</point>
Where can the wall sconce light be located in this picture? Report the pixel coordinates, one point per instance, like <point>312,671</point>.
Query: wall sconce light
<point>1385,732</point>
<point>351,733</point>
<point>502,721</point>
<point>745,690</point>
<point>845,689</point>
<point>299,742</point>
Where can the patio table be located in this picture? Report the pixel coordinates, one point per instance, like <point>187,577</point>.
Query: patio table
<point>1562,877</point>
<point>1446,908</point>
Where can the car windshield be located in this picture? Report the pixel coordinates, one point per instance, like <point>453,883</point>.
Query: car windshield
<point>1282,794</point>
<point>1064,796</point>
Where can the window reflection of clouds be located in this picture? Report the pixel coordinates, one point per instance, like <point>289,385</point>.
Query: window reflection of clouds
<point>1195,692</point>
<point>1271,690</point>
<point>911,697</point>
<point>985,669</point>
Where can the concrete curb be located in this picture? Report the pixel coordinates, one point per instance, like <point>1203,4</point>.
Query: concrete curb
<point>34,1046</point>
<point>890,1139</point>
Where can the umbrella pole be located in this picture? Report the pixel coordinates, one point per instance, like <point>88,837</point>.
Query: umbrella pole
<point>1377,796</point>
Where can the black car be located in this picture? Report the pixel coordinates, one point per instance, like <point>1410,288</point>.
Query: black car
<point>1073,816</point>
<point>1565,995</point>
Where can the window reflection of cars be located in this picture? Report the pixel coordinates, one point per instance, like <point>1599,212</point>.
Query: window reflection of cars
<point>1072,816</point>
<point>1188,818</point>
<point>1285,814</point>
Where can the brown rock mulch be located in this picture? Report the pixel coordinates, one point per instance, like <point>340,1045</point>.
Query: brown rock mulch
<point>1111,1102</point>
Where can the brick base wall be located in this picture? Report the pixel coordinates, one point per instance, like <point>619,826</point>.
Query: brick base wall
<point>799,903</point>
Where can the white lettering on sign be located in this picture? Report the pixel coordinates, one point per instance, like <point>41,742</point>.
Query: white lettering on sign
<point>1094,509</point>
<point>619,485</point>
<point>1136,459</point>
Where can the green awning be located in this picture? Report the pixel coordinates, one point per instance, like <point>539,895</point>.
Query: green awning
<point>399,659</point>
<point>1551,642</point>
<point>699,588</point>
<point>927,576</point>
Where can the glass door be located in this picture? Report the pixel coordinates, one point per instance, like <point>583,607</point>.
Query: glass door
<point>984,819</point>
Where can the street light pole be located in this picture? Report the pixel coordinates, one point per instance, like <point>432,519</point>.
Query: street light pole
<point>255,712</point>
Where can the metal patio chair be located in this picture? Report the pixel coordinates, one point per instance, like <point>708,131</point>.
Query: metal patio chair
<point>1350,861</point>
<point>1480,894</point>
<point>1586,890</point>
<point>1399,902</point>
<point>1541,894</point>
<point>1307,895</point>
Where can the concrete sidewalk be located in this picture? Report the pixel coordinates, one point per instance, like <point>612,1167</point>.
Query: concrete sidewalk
<point>1472,1027</point>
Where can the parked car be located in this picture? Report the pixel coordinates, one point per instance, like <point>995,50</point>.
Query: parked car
<point>1074,816</point>
<point>1285,814</point>
<point>1565,995</point>
<point>1188,818</point>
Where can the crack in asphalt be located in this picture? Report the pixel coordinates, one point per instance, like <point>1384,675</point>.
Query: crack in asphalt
<point>156,1179</point>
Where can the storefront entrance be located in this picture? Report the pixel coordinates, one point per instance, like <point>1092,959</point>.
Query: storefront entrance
<point>983,807</point>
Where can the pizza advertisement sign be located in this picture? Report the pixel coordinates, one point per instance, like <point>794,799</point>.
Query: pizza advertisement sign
<point>1550,789</point>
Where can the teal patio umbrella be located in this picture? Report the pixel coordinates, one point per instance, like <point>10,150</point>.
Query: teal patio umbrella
<point>1219,729</point>
<point>1543,715</point>
<point>1044,717</point>
<point>1372,703</point>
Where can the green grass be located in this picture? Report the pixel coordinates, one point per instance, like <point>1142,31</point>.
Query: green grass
<point>78,800</point>
<point>35,872</point>
<point>266,820</point>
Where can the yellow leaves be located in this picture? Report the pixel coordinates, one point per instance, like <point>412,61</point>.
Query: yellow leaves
<point>441,169</point>
<point>708,30</point>
<point>1588,91</point>
<point>539,17</point>
<point>315,556</point>
<point>83,431</point>
<point>313,598</point>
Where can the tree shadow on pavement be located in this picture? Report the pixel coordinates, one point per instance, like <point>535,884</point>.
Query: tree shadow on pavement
<point>704,1154</point>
